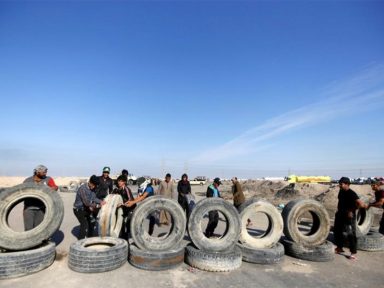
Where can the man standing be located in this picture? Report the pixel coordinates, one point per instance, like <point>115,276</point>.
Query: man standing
<point>378,187</point>
<point>165,190</point>
<point>183,189</point>
<point>84,206</point>
<point>238,196</point>
<point>106,184</point>
<point>345,218</point>
<point>127,196</point>
<point>213,191</point>
<point>34,209</point>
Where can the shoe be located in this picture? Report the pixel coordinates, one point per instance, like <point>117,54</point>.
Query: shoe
<point>339,251</point>
<point>352,257</point>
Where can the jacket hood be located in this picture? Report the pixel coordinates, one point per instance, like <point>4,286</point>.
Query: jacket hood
<point>184,175</point>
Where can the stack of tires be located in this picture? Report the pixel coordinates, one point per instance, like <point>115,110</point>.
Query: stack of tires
<point>157,253</point>
<point>24,253</point>
<point>106,252</point>
<point>312,246</point>
<point>214,254</point>
<point>367,238</point>
<point>265,249</point>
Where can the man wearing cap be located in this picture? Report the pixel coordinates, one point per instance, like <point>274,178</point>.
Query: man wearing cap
<point>106,184</point>
<point>213,191</point>
<point>378,187</point>
<point>165,190</point>
<point>345,218</point>
<point>34,209</point>
<point>85,204</point>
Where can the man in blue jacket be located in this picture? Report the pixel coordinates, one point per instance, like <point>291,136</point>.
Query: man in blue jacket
<point>213,191</point>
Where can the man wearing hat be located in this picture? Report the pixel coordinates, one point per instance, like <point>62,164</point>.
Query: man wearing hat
<point>106,184</point>
<point>34,209</point>
<point>213,191</point>
<point>378,187</point>
<point>345,218</point>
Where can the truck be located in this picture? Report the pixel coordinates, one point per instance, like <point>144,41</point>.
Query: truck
<point>199,180</point>
<point>309,179</point>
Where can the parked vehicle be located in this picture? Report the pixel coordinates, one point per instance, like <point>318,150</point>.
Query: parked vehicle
<point>309,179</point>
<point>199,180</point>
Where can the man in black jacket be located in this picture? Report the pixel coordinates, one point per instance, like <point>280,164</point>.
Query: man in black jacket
<point>345,218</point>
<point>106,184</point>
<point>213,191</point>
<point>183,189</point>
<point>127,196</point>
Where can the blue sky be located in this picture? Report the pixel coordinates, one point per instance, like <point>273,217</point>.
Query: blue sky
<point>251,88</point>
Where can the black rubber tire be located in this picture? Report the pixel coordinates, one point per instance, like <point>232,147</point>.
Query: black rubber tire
<point>271,255</point>
<point>321,222</point>
<point>140,234</point>
<point>20,263</point>
<point>364,219</point>
<point>156,260</point>
<point>112,254</point>
<point>54,213</point>
<point>110,216</point>
<point>229,239</point>
<point>213,261</point>
<point>275,227</point>
<point>321,253</point>
<point>373,241</point>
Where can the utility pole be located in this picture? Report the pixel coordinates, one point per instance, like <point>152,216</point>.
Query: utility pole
<point>162,165</point>
<point>186,167</point>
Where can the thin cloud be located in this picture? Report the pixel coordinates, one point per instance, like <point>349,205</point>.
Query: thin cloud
<point>361,93</point>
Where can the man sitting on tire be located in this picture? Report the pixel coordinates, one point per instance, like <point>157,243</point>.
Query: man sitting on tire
<point>345,218</point>
<point>127,196</point>
<point>34,210</point>
<point>213,191</point>
<point>85,203</point>
<point>378,187</point>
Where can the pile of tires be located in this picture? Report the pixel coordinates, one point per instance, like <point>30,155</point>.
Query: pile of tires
<point>157,253</point>
<point>212,254</point>
<point>27,252</point>
<point>312,246</point>
<point>373,241</point>
<point>266,248</point>
<point>367,239</point>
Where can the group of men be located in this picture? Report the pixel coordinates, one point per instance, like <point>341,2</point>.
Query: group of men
<point>90,197</point>
<point>345,217</point>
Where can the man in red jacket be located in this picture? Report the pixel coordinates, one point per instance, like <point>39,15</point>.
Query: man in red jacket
<point>34,209</point>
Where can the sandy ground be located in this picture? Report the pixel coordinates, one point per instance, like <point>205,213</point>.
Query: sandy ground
<point>291,272</point>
